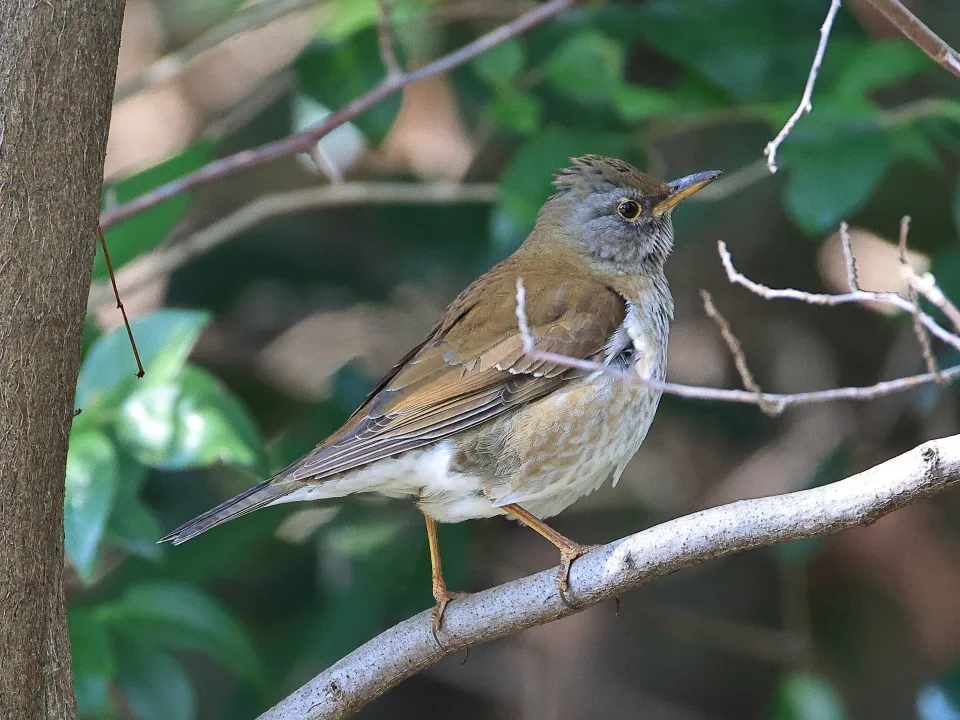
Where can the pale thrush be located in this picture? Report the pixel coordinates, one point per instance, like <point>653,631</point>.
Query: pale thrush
<point>470,424</point>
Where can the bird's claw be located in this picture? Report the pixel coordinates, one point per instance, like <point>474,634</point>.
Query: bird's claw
<point>443,598</point>
<point>567,556</point>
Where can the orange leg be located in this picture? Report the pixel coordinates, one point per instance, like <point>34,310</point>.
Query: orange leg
<point>569,550</point>
<point>440,592</point>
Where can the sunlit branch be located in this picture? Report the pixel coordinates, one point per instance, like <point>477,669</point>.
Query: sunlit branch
<point>303,141</point>
<point>806,101</point>
<point>604,573</point>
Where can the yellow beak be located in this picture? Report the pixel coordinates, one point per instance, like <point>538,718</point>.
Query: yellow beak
<point>683,188</point>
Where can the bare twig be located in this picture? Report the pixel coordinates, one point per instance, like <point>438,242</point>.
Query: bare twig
<point>168,258</point>
<point>919,34</point>
<point>775,402</point>
<point>606,572</point>
<point>303,141</point>
<point>806,104</point>
<point>522,323</point>
<point>170,66</point>
<point>923,337</point>
<point>325,164</point>
<point>739,359</point>
<point>925,284</point>
<point>851,261</point>
<point>388,53</point>
<point>116,294</point>
<point>859,296</point>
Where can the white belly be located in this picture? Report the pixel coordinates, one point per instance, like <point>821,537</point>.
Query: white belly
<point>545,488</point>
<point>563,446</point>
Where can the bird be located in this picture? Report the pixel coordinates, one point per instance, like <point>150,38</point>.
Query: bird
<point>471,423</point>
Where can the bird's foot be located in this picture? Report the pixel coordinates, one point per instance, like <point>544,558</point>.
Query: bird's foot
<point>567,555</point>
<point>443,598</point>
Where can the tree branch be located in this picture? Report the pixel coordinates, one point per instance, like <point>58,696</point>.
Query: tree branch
<point>168,258</point>
<point>771,403</point>
<point>409,647</point>
<point>919,34</point>
<point>304,141</point>
<point>806,104</point>
<point>170,66</point>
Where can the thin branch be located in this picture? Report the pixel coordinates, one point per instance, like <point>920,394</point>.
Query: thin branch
<point>522,323</point>
<point>388,53</point>
<point>849,258</point>
<point>739,359</point>
<point>775,402</point>
<point>806,103</point>
<point>116,294</point>
<point>925,284</point>
<point>303,141</point>
<point>325,164</point>
<point>606,572</point>
<point>858,296</point>
<point>168,258</point>
<point>170,66</point>
<point>923,337</point>
<point>919,34</point>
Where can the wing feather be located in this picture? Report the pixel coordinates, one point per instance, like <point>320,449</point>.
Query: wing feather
<point>472,367</point>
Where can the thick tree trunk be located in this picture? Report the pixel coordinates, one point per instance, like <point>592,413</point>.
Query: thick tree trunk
<point>58,63</point>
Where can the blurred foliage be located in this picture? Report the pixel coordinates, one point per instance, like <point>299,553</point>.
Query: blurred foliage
<point>711,82</point>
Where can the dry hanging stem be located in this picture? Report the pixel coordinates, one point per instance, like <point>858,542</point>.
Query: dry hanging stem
<point>116,294</point>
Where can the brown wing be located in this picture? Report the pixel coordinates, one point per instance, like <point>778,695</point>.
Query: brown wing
<point>472,367</point>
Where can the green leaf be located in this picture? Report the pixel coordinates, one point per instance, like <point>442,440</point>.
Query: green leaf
<point>144,231</point>
<point>344,18</point>
<point>191,421</point>
<point>830,180</point>
<point>687,31</point>
<point>913,144</point>
<point>336,74</point>
<point>164,339</point>
<point>516,111</point>
<point>940,700</point>
<point>587,67</point>
<point>527,181</point>
<point>183,618</point>
<point>501,64</point>
<point>132,525</point>
<point>91,484</point>
<point>634,102</point>
<point>956,205</point>
<point>93,664</point>
<point>878,64</point>
<point>155,685</point>
<point>803,696</point>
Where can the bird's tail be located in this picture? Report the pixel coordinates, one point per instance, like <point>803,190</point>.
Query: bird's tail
<point>255,498</point>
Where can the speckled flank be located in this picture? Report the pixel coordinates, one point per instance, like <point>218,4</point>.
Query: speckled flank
<point>543,457</point>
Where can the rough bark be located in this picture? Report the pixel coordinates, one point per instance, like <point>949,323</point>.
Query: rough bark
<point>58,63</point>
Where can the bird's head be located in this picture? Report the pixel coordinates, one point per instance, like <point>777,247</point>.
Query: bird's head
<point>614,213</point>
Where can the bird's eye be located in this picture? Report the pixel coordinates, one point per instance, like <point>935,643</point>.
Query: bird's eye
<point>629,209</point>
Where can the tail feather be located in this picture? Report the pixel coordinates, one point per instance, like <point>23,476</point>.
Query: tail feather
<point>255,498</point>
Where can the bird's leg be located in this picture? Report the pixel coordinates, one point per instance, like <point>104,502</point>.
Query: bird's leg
<point>440,592</point>
<point>569,550</point>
